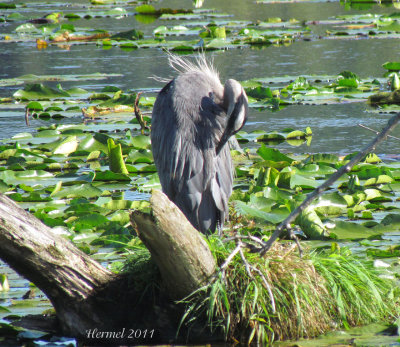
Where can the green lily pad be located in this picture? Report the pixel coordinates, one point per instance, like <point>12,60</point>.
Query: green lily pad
<point>84,190</point>
<point>274,216</point>
<point>349,230</point>
<point>272,154</point>
<point>40,92</point>
<point>392,66</point>
<point>311,224</point>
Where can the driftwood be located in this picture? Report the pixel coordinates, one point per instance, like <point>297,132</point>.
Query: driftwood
<point>93,304</point>
<point>183,257</point>
<point>65,274</point>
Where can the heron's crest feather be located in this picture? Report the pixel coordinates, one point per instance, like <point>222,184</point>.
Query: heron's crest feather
<point>200,64</point>
<point>183,65</point>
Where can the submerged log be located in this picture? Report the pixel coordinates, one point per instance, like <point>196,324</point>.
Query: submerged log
<point>86,296</point>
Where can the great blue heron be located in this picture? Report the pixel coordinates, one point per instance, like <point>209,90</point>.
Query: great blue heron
<point>193,118</point>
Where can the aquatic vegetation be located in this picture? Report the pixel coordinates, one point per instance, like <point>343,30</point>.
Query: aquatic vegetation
<point>260,300</point>
<point>201,29</point>
<point>63,165</point>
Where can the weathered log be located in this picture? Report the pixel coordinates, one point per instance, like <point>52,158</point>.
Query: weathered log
<point>66,275</point>
<point>87,297</point>
<point>180,252</point>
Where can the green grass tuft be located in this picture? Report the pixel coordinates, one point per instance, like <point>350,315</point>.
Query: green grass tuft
<point>287,297</point>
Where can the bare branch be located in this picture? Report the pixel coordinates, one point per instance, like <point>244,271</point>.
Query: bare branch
<point>296,239</point>
<point>246,264</point>
<point>230,257</point>
<point>244,237</point>
<point>138,114</point>
<point>334,177</point>
<point>249,269</point>
<point>27,116</point>
<point>376,132</point>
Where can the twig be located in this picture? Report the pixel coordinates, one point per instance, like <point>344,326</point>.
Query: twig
<point>138,114</point>
<point>27,116</point>
<point>246,264</point>
<point>335,176</point>
<point>244,237</point>
<point>267,286</point>
<point>376,132</point>
<point>250,268</point>
<point>296,239</point>
<point>230,257</point>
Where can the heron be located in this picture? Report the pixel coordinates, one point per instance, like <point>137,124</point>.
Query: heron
<point>193,118</point>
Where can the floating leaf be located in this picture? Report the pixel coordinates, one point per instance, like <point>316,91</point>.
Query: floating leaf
<point>311,224</point>
<point>132,34</point>
<point>301,181</point>
<point>349,230</point>
<point>34,106</point>
<point>145,9</point>
<point>40,92</point>
<point>392,66</point>
<point>89,221</point>
<point>141,141</point>
<point>66,146</point>
<point>391,252</point>
<point>6,5</point>
<point>111,176</point>
<point>275,216</point>
<point>84,190</point>
<point>381,179</point>
<point>273,154</point>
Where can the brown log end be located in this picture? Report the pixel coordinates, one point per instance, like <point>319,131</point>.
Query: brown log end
<point>179,250</point>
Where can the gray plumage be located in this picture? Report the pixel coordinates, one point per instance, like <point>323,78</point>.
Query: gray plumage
<point>193,118</point>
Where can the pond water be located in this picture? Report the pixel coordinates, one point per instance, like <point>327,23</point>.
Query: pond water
<point>335,126</point>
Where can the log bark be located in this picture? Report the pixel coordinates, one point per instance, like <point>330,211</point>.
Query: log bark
<point>86,296</point>
<point>66,275</point>
<point>179,250</point>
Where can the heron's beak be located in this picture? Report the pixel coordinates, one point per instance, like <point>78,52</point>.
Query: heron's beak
<point>231,107</point>
<point>236,119</point>
<point>224,139</point>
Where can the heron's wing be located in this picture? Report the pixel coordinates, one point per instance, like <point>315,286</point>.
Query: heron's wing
<point>179,162</point>
<point>163,135</point>
<point>218,168</point>
<point>185,130</point>
<point>223,181</point>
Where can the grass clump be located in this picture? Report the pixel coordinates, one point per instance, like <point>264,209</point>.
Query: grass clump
<point>282,296</point>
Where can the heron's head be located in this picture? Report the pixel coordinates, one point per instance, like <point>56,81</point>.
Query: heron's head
<point>236,105</point>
